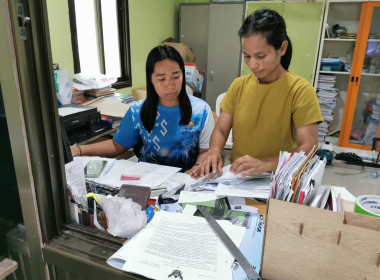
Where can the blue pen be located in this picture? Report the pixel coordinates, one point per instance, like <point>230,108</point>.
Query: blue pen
<point>109,168</point>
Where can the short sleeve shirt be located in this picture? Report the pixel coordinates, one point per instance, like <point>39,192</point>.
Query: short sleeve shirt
<point>266,116</point>
<point>168,143</point>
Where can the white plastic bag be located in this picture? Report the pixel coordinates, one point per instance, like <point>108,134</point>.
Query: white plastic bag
<point>124,217</point>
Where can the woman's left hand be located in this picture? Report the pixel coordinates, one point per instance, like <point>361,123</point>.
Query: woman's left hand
<point>250,165</point>
<point>190,171</point>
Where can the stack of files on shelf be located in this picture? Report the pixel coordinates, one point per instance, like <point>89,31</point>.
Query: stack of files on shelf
<point>327,101</point>
<point>100,92</point>
<point>371,117</point>
<point>330,60</point>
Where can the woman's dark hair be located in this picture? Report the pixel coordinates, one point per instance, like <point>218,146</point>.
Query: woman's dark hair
<point>149,108</point>
<point>272,26</point>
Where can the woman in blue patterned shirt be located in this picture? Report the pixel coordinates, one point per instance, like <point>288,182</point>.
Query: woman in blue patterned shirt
<point>175,128</point>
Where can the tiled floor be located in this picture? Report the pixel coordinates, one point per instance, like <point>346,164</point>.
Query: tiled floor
<point>354,178</point>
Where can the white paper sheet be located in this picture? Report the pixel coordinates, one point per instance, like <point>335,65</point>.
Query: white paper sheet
<point>152,175</point>
<point>75,176</point>
<point>176,180</point>
<point>252,188</point>
<point>189,210</point>
<point>344,193</point>
<point>189,197</point>
<point>178,245</point>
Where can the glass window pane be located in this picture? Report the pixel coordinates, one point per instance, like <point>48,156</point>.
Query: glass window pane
<point>367,110</point>
<point>111,38</point>
<point>87,39</point>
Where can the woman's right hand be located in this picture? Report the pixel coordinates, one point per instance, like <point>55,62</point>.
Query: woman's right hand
<point>213,160</point>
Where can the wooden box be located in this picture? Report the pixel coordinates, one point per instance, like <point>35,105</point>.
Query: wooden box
<point>302,242</point>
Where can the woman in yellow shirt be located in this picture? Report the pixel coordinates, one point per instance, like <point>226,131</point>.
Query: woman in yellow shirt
<point>270,110</point>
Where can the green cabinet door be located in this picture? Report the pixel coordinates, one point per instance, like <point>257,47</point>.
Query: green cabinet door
<point>303,26</point>
<point>254,6</point>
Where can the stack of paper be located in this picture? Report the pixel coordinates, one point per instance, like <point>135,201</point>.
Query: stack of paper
<point>298,179</point>
<point>371,117</point>
<point>327,101</point>
<point>227,178</point>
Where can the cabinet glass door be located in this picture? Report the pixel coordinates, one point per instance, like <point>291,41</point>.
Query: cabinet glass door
<point>363,114</point>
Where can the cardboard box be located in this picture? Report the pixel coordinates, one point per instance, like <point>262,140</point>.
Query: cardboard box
<point>194,78</point>
<point>303,242</point>
<point>139,93</point>
<point>183,49</point>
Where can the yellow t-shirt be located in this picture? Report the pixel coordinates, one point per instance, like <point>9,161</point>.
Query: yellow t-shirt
<point>266,116</point>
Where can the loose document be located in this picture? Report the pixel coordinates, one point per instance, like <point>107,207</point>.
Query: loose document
<point>152,175</point>
<point>176,246</point>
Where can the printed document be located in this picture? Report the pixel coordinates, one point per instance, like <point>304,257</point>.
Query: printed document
<point>75,176</point>
<point>176,246</point>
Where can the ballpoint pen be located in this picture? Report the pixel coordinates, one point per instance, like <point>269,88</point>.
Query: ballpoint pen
<point>109,168</point>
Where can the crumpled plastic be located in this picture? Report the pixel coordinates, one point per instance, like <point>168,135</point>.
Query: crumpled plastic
<point>124,217</point>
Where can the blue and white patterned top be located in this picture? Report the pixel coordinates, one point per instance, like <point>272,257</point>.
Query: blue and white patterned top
<point>169,143</point>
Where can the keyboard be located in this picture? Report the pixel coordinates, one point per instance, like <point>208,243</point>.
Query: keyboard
<point>93,187</point>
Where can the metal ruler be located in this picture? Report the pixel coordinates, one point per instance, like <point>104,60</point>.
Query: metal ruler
<point>226,240</point>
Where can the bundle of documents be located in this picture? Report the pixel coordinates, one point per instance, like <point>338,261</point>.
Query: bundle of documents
<point>99,92</point>
<point>327,101</point>
<point>78,96</point>
<point>229,184</point>
<point>298,179</point>
<point>371,117</point>
<point>121,97</point>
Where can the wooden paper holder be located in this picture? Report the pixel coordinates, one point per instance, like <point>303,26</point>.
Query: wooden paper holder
<point>303,242</point>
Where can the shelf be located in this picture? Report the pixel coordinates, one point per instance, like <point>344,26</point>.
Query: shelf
<point>336,72</point>
<point>368,74</point>
<point>342,40</point>
<point>349,40</point>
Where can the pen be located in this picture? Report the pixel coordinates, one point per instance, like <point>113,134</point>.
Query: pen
<point>109,168</point>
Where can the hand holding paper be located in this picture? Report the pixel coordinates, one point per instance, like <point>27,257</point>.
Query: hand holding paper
<point>248,165</point>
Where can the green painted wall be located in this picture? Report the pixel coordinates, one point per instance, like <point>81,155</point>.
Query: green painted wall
<point>60,35</point>
<point>302,23</point>
<point>151,22</point>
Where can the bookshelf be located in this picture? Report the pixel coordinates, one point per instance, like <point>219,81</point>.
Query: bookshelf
<point>359,87</point>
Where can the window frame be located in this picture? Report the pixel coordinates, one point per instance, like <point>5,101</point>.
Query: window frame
<point>124,41</point>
